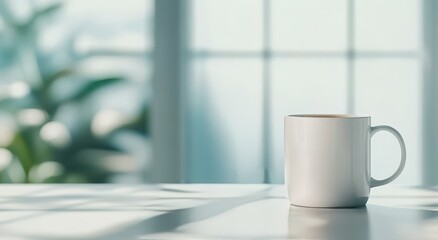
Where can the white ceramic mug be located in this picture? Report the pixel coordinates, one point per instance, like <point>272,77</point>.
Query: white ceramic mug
<point>327,159</point>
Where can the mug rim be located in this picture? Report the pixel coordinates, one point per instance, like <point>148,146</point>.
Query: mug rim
<point>327,116</point>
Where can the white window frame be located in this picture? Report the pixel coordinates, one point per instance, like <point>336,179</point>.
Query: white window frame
<point>430,93</point>
<point>168,85</point>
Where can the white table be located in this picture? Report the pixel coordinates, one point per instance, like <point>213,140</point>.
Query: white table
<point>207,212</point>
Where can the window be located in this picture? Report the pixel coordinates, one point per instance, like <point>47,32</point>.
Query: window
<point>254,61</point>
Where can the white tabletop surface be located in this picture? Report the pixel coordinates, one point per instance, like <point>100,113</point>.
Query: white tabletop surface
<point>207,212</point>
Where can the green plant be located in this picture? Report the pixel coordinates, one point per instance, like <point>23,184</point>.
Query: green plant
<point>46,150</point>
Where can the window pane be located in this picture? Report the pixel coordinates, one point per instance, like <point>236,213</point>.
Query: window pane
<point>225,129</point>
<point>387,25</point>
<point>302,25</point>
<point>390,91</point>
<point>303,86</point>
<point>224,25</point>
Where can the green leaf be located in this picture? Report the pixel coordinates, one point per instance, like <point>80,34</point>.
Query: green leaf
<point>50,79</point>
<point>92,86</point>
<point>140,122</point>
<point>20,148</point>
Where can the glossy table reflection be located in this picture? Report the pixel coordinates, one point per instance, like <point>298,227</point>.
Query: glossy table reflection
<point>207,212</point>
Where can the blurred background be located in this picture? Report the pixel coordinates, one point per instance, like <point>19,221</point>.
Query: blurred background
<point>132,91</point>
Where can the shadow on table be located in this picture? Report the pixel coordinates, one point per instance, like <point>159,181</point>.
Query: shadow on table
<point>171,220</point>
<point>168,221</point>
<point>41,202</point>
<point>371,222</point>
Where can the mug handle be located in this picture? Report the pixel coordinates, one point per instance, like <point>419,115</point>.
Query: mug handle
<point>374,130</point>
